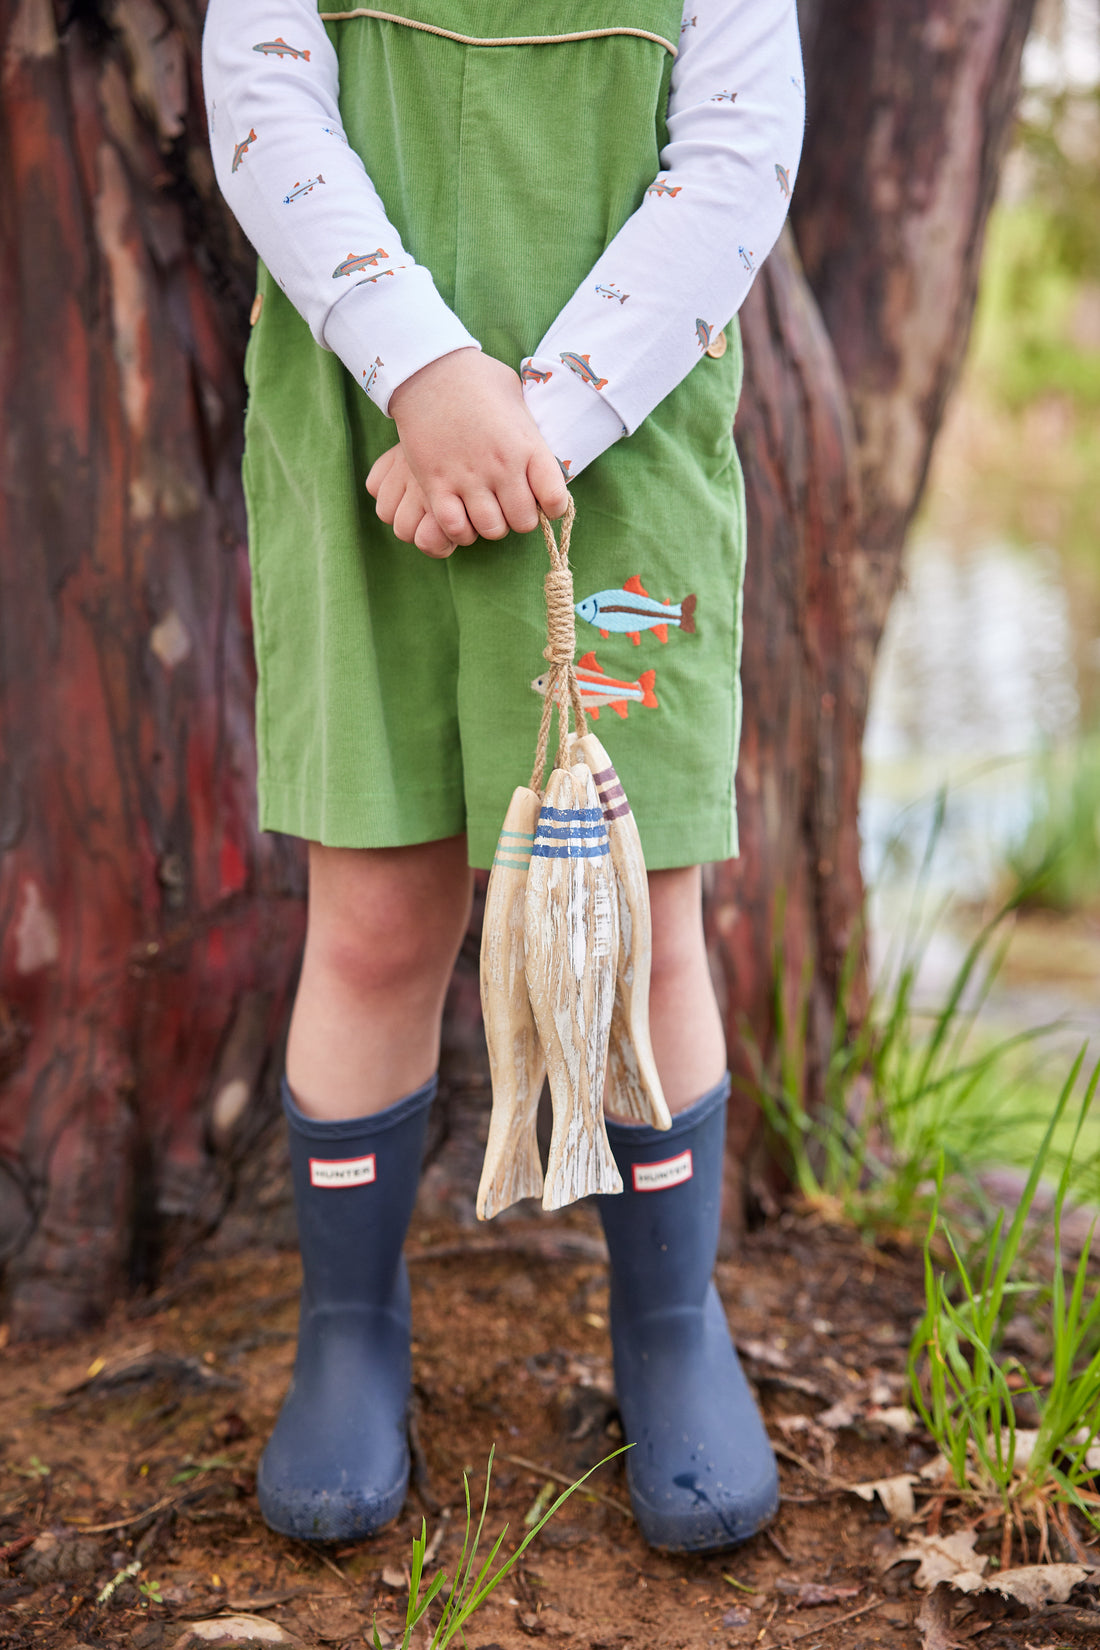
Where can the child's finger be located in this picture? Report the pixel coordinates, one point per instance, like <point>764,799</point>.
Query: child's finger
<point>548,483</point>
<point>518,503</point>
<point>391,491</point>
<point>450,512</point>
<point>431,538</point>
<point>380,469</point>
<point>486,515</point>
<point>409,514</point>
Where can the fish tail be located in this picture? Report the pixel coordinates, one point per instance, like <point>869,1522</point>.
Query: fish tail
<point>647,681</point>
<point>687,615</point>
<point>306,56</point>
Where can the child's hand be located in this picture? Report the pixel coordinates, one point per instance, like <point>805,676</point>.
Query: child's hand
<point>401,503</point>
<point>474,449</point>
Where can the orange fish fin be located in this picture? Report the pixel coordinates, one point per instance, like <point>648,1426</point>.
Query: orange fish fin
<point>593,711</point>
<point>635,586</point>
<point>605,634</point>
<point>647,681</point>
<point>661,632</point>
<point>590,662</point>
<point>620,706</point>
<point>635,637</point>
<point>687,615</point>
<point>279,41</point>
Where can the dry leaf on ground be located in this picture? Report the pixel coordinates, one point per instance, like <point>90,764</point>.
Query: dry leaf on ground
<point>934,1621</point>
<point>945,1558</point>
<point>235,1630</point>
<point>896,1495</point>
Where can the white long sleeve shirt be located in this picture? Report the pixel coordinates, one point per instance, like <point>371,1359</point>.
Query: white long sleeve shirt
<point>658,294</point>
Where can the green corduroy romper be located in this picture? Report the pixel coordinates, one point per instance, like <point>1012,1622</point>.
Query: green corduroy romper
<point>395,699</point>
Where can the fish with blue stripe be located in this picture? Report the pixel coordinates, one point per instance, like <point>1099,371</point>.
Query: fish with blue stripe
<point>631,609</point>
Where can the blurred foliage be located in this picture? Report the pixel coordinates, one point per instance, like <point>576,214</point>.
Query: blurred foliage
<point>1059,857</point>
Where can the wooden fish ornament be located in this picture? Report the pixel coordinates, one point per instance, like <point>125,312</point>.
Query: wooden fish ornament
<point>633,1088</point>
<point>512,1167</point>
<point>571,945</point>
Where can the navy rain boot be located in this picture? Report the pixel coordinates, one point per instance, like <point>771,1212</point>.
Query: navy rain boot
<point>337,1465</point>
<point>702,1475</point>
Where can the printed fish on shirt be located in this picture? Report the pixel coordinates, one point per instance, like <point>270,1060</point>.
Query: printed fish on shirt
<point>358,260</point>
<point>746,258</point>
<point>302,189</point>
<point>597,688</point>
<point>613,292</point>
<point>661,186</point>
<point>531,375</point>
<point>723,97</point>
<point>632,609</point>
<point>242,149</point>
<point>582,367</point>
<point>373,374</point>
<point>279,48</point>
<point>703,332</point>
<point>783,177</point>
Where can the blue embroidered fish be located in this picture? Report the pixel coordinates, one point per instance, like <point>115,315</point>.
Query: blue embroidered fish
<point>358,260</point>
<point>703,332</point>
<point>784,178</point>
<point>373,373</point>
<point>661,186</point>
<point>581,365</point>
<point>612,292</point>
<point>746,258</point>
<point>632,609</point>
<point>302,189</point>
<point>531,375</point>
<point>279,48</point>
<point>242,149</point>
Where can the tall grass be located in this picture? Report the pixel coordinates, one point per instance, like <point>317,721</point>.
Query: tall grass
<point>967,1391</point>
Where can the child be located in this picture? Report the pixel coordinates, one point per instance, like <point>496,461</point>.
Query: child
<point>516,231</point>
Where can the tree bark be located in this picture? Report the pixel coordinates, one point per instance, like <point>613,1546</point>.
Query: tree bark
<point>148,935</point>
<point>147,932</point>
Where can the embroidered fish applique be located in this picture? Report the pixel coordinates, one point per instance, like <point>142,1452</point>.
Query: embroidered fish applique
<point>357,260</point>
<point>597,688</point>
<point>372,374</point>
<point>531,375</point>
<point>279,48</point>
<point>784,178</point>
<point>661,186</point>
<point>612,292</point>
<point>581,366</point>
<point>242,149</point>
<point>632,609</point>
<point>302,189</point>
<point>746,258</point>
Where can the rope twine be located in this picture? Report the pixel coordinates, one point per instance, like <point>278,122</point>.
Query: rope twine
<point>562,688</point>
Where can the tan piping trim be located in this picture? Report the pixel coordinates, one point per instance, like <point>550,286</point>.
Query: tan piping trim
<point>502,40</point>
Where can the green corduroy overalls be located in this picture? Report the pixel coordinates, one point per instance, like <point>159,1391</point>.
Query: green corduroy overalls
<point>395,701</point>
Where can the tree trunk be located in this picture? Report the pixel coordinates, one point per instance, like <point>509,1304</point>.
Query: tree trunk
<point>148,935</point>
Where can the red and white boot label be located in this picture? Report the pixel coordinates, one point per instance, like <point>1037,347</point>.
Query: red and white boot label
<point>657,1177</point>
<point>342,1171</point>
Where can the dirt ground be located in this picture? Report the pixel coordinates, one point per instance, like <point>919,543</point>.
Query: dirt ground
<point>139,1443</point>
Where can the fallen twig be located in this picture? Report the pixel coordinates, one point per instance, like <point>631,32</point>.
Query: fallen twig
<point>824,1626</point>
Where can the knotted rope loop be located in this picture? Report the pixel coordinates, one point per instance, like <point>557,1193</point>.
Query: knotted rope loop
<point>562,688</point>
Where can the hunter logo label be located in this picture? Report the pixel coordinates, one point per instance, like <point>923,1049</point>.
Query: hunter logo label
<point>657,1177</point>
<point>344,1171</point>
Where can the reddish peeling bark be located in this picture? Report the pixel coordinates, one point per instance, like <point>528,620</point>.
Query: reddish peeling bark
<point>146,932</point>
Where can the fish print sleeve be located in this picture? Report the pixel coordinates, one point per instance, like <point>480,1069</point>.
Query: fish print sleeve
<point>683,263</point>
<point>303,197</point>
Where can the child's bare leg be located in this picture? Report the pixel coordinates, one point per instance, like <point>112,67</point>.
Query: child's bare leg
<point>689,1044</point>
<point>385,926</point>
